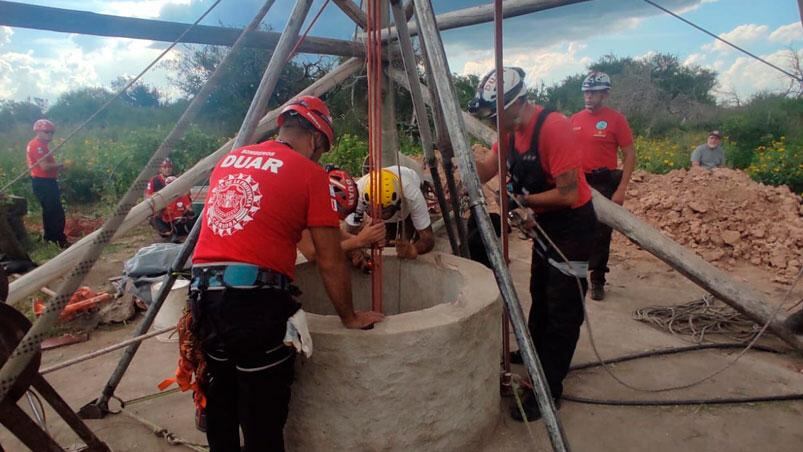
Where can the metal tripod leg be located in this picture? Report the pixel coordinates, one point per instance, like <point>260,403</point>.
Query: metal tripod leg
<point>457,132</point>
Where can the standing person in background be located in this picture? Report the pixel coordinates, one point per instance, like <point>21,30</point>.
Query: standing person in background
<point>44,174</point>
<point>709,155</point>
<point>600,133</point>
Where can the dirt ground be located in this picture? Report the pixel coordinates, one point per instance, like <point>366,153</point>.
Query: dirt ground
<point>640,281</point>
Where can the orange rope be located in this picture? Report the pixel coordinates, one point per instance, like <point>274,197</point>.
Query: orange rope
<point>374,56</point>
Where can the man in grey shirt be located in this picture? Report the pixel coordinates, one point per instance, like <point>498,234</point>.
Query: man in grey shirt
<point>709,155</point>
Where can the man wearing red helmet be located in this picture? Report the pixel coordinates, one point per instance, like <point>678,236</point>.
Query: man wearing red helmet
<point>345,193</point>
<point>601,132</point>
<point>261,198</point>
<point>44,172</point>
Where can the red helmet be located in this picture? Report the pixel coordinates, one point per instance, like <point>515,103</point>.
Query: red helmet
<point>344,190</point>
<point>43,125</point>
<point>314,111</point>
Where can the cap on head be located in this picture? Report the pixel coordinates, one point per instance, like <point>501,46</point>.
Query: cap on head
<point>483,105</point>
<point>596,81</point>
<point>44,125</point>
<point>315,112</point>
<point>344,190</point>
<point>715,133</point>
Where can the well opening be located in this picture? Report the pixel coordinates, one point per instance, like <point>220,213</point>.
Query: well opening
<point>408,286</point>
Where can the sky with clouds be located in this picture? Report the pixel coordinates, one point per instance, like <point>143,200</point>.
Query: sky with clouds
<point>549,45</point>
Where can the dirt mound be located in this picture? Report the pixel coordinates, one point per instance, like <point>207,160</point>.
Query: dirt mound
<point>77,226</point>
<point>724,216</point>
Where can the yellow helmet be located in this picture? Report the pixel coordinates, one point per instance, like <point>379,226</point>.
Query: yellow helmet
<point>389,189</point>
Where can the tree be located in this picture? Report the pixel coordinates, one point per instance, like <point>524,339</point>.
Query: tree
<point>25,112</point>
<point>230,100</point>
<point>139,94</point>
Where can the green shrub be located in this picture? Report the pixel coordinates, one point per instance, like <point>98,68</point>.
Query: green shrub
<point>778,164</point>
<point>660,155</point>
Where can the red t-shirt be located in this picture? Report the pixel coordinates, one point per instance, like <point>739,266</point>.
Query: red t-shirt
<point>556,150</point>
<point>35,151</point>
<point>156,183</point>
<point>260,199</point>
<point>599,136</point>
<point>177,209</point>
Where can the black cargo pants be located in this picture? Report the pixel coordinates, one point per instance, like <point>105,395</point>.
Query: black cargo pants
<point>49,196</point>
<point>606,182</point>
<point>557,301</point>
<point>249,369</point>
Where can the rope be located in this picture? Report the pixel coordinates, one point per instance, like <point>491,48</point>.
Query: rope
<point>117,95</point>
<point>752,55</point>
<point>680,402</point>
<point>699,318</point>
<point>104,351</point>
<point>605,364</point>
<point>161,432</point>
<point>374,63</point>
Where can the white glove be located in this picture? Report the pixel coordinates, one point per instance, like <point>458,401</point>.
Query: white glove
<point>297,333</point>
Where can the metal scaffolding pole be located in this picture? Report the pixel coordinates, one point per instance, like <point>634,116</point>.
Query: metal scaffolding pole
<point>408,58</point>
<point>442,75</point>
<point>446,150</point>
<point>99,407</point>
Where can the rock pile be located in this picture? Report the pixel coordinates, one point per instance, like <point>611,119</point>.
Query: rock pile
<point>724,216</point>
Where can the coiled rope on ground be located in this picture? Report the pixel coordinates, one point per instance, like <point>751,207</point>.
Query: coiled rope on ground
<point>699,319</point>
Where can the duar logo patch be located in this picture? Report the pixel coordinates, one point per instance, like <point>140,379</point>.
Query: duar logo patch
<point>602,125</point>
<point>234,202</point>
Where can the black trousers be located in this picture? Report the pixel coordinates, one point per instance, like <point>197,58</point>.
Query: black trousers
<point>249,370</point>
<point>557,302</point>
<point>49,196</point>
<point>605,182</point>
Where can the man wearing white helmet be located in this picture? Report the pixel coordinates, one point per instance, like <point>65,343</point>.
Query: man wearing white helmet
<point>44,172</point>
<point>601,132</point>
<point>545,169</point>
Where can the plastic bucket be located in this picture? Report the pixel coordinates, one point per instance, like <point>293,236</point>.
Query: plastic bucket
<point>171,310</point>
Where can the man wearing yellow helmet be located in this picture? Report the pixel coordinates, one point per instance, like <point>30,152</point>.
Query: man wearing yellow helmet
<point>403,203</point>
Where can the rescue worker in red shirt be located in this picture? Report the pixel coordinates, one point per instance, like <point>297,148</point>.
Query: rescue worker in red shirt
<point>155,184</point>
<point>600,132</point>
<point>177,217</point>
<point>546,176</point>
<point>261,198</point>
<point>44,172</point>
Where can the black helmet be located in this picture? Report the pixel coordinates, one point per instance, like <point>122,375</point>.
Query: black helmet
<point>483,105</point>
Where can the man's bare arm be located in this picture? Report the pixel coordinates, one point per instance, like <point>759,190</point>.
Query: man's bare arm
<point>336,277</point>
<point>628,166</point>
<point>563,195</point>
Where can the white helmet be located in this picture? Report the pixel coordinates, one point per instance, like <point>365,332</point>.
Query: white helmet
<point>483,105</point>
<point>596,81</point>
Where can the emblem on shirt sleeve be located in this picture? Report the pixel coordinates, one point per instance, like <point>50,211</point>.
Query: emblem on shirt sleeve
<point>234,202</point>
